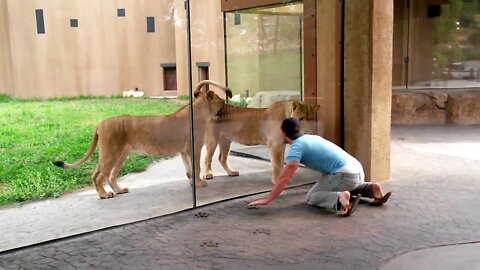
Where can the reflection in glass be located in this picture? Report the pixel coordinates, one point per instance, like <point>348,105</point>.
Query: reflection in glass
<point>439,44</point>
<point>264,52</point>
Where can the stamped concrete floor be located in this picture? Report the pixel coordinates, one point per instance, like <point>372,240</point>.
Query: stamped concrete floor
<point>432,210</point>
<point>162,189</point>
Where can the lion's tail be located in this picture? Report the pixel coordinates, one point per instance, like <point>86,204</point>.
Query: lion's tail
<point>227,90</point>
<point>91,149</point>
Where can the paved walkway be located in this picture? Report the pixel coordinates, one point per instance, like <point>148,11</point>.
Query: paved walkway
<point>434,183</point>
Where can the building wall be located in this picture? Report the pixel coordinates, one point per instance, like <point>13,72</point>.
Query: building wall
<point>104,55</point>
<point>6,82</point>
<point>207,40</point>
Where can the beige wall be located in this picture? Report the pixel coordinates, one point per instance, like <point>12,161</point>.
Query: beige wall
<point>6,82</point>
<point>105,55</point>
<point>208,39</point>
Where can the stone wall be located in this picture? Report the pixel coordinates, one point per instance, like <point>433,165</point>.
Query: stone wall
<point>438,106</point>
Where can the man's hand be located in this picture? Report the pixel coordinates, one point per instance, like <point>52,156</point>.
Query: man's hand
<point>287,171</point>
<point>263,201</point>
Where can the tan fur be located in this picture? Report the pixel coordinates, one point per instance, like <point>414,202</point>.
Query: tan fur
<point>152,135</point>
<point>250,126</point>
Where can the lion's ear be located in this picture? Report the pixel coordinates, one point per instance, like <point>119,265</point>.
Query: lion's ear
<point>195,95</point>
<point>210,95</point>
<point>296,104</point>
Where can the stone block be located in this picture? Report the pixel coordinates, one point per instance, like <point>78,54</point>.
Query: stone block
<point>264,99</point>
<point>463,107</point>
<point>442,106</point>
<point>414,107</point>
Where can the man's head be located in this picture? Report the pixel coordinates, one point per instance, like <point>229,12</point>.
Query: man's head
<point>291,128</point>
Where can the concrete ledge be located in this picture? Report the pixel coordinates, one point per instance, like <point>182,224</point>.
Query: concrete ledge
<point>436,106</point>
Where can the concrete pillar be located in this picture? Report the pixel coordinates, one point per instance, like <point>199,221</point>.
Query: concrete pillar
<point>368,84</point>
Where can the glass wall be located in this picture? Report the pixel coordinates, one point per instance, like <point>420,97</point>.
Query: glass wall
<point>143,60</point>
<point>436,44</point>
<point>264,53</point>
<point>263,64</point>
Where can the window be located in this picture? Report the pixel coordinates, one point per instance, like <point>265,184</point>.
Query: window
<point>73,22</point>
<point>203,72</point>
<point>40,21</point>
<point>150,24</point>
<point>237,18</point>
<point>436,45</point>
<point>121,12</point>
<point>169,77</point>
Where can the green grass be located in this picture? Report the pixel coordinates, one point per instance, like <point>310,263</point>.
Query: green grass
<point>34,133</point>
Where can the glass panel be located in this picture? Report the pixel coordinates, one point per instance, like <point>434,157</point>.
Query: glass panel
<point>400,43</point>
<point>264,53</point>
<point>105,56</point>
<point>444,44</point>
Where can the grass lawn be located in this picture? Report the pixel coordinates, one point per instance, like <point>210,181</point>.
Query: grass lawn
<point>34,133</point>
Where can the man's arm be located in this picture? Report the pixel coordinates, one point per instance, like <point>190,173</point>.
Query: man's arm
<point>287,172</point>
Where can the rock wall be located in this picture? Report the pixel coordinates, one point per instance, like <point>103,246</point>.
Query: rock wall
<point>443,106</point>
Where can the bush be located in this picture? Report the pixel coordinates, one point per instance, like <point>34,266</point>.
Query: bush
<point>4,98</point>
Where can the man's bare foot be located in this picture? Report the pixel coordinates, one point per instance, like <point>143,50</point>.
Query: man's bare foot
<point>377,190</point>
<point>347,208</point>
<point>344,198</point>
<point>381,200</point>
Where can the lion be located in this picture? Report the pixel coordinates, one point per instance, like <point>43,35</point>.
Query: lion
<point>153,135</point>
<point>255,126</point>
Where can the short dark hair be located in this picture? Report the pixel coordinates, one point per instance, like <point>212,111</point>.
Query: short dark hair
<point>291,127</point>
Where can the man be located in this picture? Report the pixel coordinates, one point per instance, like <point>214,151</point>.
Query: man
<point>343,174</point>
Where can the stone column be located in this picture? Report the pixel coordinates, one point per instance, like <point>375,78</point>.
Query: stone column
<point>368,84</point>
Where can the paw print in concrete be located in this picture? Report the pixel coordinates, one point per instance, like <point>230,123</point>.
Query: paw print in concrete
<point>209,244</point>
<point>262,231</point>
<point>201,215</point>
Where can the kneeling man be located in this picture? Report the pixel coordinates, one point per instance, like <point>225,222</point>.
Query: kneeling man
<point>343,174</point>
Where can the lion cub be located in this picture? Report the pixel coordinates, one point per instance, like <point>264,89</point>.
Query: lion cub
<point>152,135</point>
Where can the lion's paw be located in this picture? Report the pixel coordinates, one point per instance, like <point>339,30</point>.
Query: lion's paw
<point>107,195</point>
<point>233,173</point>
<point>201,183</point>
<point>123,190</point>
<point>208,176</point>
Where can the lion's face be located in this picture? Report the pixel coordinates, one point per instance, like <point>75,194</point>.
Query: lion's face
<point>306,114</point>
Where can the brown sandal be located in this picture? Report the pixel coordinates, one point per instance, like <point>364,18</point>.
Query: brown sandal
<point>351,206</point>
<point>381,201</point>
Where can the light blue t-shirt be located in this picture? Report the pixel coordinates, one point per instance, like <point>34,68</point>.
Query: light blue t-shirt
<point>317,153</point>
